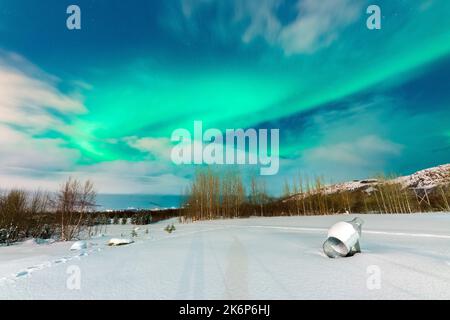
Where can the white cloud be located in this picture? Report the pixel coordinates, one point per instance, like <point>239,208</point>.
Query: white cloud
<point>359,152</point>
<point>357,141</point>
<point>116,177</point>
<point>127,177</point>
<point>29,102</point>
<point>28,96</point>
<point>159,147</point>
<point>317,23</point>
<point>263,20</point>
<point>30,105</point>
<point>45,163</point>
<point>19,150</point>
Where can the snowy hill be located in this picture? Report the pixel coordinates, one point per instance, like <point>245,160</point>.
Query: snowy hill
<point>427,178</point>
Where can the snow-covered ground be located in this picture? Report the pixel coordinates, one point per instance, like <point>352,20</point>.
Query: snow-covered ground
<point>257,258</point>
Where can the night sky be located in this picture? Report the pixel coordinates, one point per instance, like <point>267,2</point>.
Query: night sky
<point>102,102</point>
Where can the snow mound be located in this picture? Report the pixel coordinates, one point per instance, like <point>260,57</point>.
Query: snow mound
<point>79,245</point>
<point>119,242</point>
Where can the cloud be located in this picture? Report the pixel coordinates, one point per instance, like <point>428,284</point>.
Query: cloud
<point>29,98</point>
<point>363,136</point>
<point>263,20</point>
<point>116,177</point>
<point>356,138</point>
<point>44,163</point>
<point>362,151</point>
<point>127,177</point>
<point>316,25</point>
<point>30,105</point>
<point>19,150</point>
<point>159,147</point>
<point>188,7</point>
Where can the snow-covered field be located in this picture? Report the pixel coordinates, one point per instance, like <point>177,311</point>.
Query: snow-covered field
<point>257,258</point>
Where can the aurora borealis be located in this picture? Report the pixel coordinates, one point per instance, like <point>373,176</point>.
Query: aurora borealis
<point>101,102</point>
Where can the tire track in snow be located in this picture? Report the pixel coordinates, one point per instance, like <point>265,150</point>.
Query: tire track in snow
<point>375,232</point>
<point>405,234</point>
<point>391,280</point>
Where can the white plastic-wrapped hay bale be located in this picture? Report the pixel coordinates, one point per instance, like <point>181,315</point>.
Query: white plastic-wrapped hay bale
<point>79,245</point>
<point>119,241</point>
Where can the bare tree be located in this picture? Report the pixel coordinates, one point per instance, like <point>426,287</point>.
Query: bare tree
<point>74,201</point>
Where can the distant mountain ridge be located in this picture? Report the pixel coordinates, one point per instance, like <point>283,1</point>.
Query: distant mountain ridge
<point>427,178</point>
<point>424,179</point>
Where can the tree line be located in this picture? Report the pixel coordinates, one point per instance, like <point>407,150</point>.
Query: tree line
<point>65,215</point>
<point>44,215</point>
<point>214,195</point>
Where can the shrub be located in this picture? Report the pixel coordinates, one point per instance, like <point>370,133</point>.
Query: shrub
<point>24,215</point>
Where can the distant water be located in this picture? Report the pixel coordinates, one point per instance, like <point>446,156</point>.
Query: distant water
<point>137,201</point>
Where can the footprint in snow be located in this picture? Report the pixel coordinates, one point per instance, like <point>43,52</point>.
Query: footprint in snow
<point>34,268</point>
<point>40,266</point>
<point>62,260</point>
<point>79,256</point>
<point>22,274</point>
<point>31,269</point>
